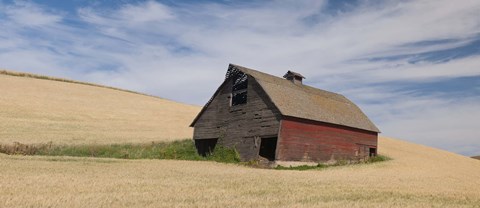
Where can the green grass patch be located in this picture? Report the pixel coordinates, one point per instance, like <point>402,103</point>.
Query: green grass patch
<point>176,150</point>
<point>378,158</point>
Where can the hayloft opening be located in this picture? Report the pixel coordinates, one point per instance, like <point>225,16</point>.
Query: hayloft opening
<point>268,146</point>
<point>205,146</point>
<point>372,152</point>
<point>239,89</point>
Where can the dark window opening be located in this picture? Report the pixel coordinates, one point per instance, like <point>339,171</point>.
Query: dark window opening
<point>205,146</point>
<point>239,89</point>
<point>268,146</point>
<point>373,152</point>
<point>239,98</point>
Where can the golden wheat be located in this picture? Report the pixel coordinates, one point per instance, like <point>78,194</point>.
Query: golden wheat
<point>418,176</point>
<point>40,110</point>
<point>36,76</point>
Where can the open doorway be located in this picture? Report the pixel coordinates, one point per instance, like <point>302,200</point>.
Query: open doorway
<point>372,152</point>
<point>205,146</point>
<point>268,146</point>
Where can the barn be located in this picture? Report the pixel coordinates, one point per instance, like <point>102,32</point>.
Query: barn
<point>281,119</point>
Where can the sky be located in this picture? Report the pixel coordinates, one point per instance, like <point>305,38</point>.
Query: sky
<point>412,66</point>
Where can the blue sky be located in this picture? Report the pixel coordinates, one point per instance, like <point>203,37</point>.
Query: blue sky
<point>412,66</point>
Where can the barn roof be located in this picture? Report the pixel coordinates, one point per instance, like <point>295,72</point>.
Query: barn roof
<point>302,101</point>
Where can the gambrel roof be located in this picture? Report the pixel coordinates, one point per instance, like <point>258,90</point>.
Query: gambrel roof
<point>302,101</point>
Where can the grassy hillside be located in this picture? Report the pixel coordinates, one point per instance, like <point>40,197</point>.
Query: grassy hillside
<point>39,109</point>
<point>418,176</point>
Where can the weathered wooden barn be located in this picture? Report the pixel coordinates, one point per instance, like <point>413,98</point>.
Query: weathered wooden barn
<point>282,119</point>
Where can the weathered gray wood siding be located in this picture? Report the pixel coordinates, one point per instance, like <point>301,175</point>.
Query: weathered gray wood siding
<point>239,126</point>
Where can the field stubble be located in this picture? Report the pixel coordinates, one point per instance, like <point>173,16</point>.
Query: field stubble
<point>37,111</point>
<point>417,176</point>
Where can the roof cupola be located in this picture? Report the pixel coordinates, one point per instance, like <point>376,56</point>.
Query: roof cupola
<point>295,77</point>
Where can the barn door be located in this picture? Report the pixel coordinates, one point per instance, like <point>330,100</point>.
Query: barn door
<point>205,146</point>
<point>365,151</point>
<point>372,151</point>
<point>268,147</point>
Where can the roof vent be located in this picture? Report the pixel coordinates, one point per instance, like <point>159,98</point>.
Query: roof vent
<point>295,77</point>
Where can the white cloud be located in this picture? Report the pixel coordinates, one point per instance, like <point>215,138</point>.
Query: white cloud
<point>129,16</point>
<point>147,12</point>
<point>27,14</point>
<point>444,124</point>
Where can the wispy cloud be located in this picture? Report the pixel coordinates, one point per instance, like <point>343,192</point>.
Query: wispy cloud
<point>366,50</point>
<point>28,15</point>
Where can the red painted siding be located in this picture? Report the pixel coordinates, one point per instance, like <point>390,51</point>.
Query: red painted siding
<point>304,140</point>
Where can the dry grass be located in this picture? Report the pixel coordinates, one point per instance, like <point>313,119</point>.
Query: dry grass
<point>35,109</point>
<point>476,157</point>
<point>417,176</point>
<point>36,76</point>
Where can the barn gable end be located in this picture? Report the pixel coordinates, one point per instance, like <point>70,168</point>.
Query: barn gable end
<point>240,126</point>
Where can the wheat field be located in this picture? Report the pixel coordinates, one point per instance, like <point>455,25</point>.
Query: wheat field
<point>418,176</point>
<point>34,110</point>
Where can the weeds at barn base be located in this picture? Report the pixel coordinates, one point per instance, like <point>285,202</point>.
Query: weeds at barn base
<point>176,150</point>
